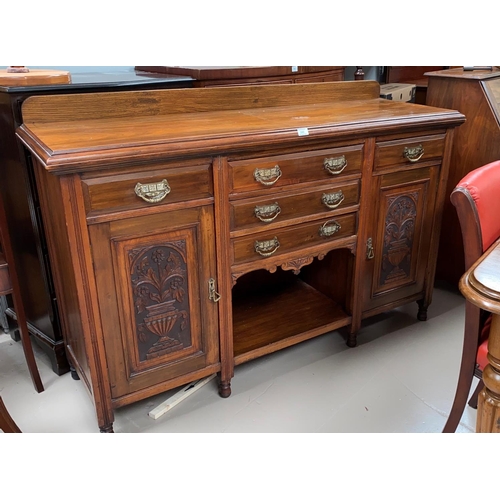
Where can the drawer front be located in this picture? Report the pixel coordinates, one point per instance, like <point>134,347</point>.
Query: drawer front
<point>278,171</point>
<point>408,151</point>
<point>264,211</point>
<point>270,243</point>
<point>148,188</point>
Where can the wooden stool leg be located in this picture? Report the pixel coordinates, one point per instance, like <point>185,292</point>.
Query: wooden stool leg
<point>6,423</point>
<point>488,408</point>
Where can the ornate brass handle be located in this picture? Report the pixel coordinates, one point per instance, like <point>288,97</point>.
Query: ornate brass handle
<point>152,193</point>
<point>329,228</point>
<point>268,247</point>
<point>369,249</point>
<point>333,200</point>
<point>414,154</point>
<point>335,165</point>
<point>267,176</point>
<point>267,213</point>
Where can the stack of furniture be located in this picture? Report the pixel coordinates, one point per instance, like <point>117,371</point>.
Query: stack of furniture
<point>194,230</point>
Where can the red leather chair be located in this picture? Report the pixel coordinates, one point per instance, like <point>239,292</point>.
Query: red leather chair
<point>477,201</point>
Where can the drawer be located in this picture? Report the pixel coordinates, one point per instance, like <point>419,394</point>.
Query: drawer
<point>278,171</point>
<point>270,243</point>
<point>262,211</point>
<point>148,188</point>
<point>408,151</point>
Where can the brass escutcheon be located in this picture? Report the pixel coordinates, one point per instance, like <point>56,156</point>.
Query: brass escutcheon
<point>414,154</point>
<point>267,248</point>
<point>335,165</point>
<point>369,249</point>
<point>152,193</point>
<point>332,200</point>
<point>329,228</point>
<point>267,213</point>
<point>267,176</point>
<point>212,293</point>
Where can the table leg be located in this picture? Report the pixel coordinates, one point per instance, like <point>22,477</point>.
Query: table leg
<point>4,323</point>
<point>488,409</point>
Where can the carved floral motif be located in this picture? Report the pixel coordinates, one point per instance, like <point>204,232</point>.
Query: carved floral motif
<point>159,281</point>
<point>398,237</point>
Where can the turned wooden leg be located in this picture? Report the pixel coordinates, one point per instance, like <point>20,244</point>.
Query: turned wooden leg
<point>488,408</point>
<point>4,322</point>
<point>352,340</point>
<point>224,389</point>
<point>107,429</point>
<point>422,310</point>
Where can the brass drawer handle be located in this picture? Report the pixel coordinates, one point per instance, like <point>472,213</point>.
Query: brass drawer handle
<point>267,213</point>
<point>332,200</point>
<point>152,193</point>
<point>268,247</point>
<point>414,154</point>
<point>267,176</point>
<point>335,165</point>
<point>329,228</point>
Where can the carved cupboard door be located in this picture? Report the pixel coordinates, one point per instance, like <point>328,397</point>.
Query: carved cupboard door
<point>398,244</point>
<point>153,274</point>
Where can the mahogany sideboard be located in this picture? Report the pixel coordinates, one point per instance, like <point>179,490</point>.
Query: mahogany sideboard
<point>476,94</point>
<point>20,195</point>
<point>219,76</point>
<point>194,230</point>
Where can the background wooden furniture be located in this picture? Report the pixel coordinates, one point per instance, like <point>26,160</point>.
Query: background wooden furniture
<point>478,205</point>
<point>476,94</point>
<point>480,285</point>
<point>9,285</point>
<point>411,74</point>
<point>21,199</point>
<point>194,230</point>
<point>217,76</point>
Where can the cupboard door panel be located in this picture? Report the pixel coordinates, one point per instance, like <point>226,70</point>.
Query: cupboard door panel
<point>152,276</point>
<point>401,235</point>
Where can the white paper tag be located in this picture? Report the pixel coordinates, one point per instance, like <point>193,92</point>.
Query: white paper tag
<point>303,131</point>
<point>295,69</point>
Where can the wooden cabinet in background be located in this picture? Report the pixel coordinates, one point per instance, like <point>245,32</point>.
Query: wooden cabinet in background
<point>221,76</point>
<point>195,230</point>
<point>20,194</point>
<point>476,94</point>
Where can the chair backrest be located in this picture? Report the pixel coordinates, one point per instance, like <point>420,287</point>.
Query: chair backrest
<point>477,200</point>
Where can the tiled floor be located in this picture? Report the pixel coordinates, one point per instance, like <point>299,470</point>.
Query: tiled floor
<point>400,379</point>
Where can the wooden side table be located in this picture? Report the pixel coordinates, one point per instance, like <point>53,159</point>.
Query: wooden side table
<point>481,286</point>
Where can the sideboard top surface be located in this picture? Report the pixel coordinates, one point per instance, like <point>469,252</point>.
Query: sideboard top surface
<point>171,123</point>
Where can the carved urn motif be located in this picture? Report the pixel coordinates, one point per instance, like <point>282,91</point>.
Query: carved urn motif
<point>398,237</point>
<point>159,280</point>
